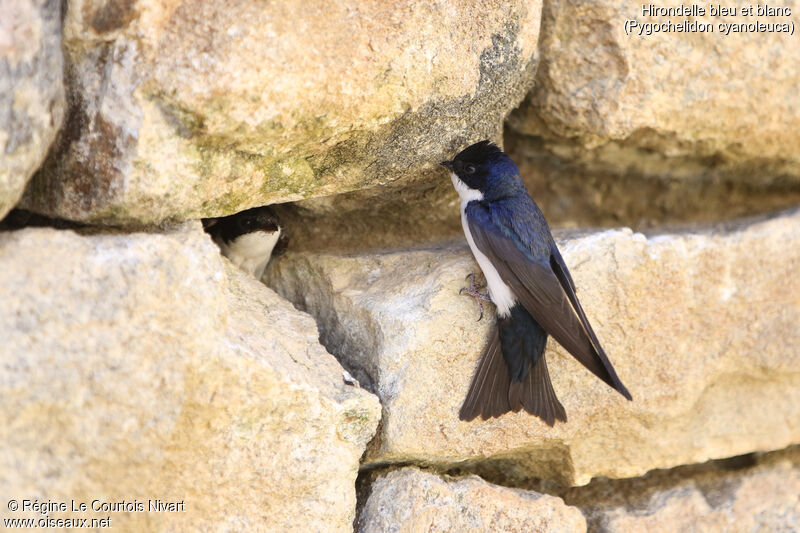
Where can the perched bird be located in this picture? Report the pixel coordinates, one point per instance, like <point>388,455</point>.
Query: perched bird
<point>529,284</point>
<point>249,238</point>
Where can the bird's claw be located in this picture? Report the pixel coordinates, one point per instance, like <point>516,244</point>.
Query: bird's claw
<point>473,290</point>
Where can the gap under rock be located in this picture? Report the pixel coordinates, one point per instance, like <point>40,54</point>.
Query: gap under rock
<point>570,195</point>
<point>18,219</point>
<point>651,191</point>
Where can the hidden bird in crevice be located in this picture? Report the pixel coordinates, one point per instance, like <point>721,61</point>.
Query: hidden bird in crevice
<point>249,238</point>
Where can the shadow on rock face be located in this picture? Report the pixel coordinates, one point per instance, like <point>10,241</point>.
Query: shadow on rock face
<point>569,194</point>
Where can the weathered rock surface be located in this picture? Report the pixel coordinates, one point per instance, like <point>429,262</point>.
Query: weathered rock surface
<point>144,366</point>
<point>409,500</point>
<point>573,195</point>
<point>701,326</point>
<point>31,91</point>
<point>189,109</point>
<point>765,497</point>
<point>689,105</point>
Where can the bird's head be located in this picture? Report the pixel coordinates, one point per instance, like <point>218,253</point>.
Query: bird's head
<point>481,167</point>
<point>257,219</point>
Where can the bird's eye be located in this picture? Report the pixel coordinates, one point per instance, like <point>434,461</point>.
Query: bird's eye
<point>469,169</point>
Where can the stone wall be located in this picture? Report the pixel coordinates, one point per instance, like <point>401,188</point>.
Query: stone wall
<point>147,377</point>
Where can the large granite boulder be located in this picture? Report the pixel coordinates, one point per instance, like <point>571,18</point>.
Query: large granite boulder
<point>701,327</point>
<point>186,109</point>
<point>139,367</point>
<point>697,105</point>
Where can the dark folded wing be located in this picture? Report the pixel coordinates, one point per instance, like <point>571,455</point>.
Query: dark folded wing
<point>546,290</point>
<point>562,273</point>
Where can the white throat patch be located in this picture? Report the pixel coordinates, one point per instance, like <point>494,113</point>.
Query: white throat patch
<point>501,294</point>
<point>464,192</point>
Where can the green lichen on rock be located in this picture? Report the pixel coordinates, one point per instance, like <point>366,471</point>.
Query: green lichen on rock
<point>201,123</point>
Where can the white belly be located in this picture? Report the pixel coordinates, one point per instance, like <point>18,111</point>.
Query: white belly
<point>501,294</point>
<point>251,252</point>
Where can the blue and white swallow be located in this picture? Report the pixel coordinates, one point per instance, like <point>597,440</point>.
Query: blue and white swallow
<point>530,286</point>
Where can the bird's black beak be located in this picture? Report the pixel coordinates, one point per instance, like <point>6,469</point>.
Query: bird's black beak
<point>448,164</point>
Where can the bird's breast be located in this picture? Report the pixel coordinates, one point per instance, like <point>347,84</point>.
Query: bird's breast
<point>251,252</point>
